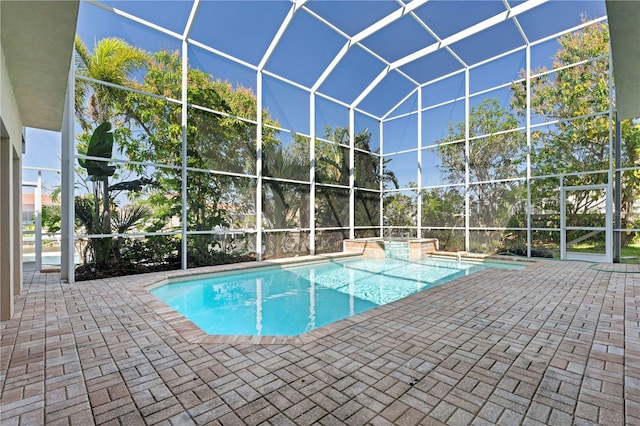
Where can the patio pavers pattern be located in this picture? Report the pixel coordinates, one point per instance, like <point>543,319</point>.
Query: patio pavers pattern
<point>556,343</point>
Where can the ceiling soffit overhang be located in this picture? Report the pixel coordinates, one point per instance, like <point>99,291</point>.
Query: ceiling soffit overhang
<point>37,41</point>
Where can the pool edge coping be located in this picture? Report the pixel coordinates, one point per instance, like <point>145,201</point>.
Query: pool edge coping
<point>189,331</point>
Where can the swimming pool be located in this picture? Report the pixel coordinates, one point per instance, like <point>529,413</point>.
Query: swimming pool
<point>293,300</point>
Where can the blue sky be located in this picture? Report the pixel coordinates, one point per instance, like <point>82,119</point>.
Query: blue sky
<point>244,29</point>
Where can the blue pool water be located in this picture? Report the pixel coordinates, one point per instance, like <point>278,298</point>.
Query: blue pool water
<point>290,301</point>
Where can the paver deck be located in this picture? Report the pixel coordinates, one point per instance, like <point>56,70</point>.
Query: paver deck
<point>556,343</point>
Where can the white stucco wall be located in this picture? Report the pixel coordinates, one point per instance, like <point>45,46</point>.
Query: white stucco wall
<point>8,106</point>
<point>10,194</point>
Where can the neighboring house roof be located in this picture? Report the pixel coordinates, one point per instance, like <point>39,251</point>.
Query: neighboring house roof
<point>29,200</point>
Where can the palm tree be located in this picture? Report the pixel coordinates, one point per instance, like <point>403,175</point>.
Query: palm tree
<point>284,203</point>
<point>102,249</point>
<point>114,61</point>
<point>333,167</point>
<point>96,105</point>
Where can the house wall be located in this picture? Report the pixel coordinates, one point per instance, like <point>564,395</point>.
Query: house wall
<point>10,194</point>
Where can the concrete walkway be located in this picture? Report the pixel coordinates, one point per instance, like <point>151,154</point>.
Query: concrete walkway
<point>557,343</point>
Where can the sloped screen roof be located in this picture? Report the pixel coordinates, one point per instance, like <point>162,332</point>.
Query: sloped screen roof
<point>366,54</point>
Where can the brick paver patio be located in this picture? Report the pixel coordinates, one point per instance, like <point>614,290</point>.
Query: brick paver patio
<point>556,343</point>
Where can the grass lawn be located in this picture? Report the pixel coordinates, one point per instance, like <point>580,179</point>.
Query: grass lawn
<point>629,254</point>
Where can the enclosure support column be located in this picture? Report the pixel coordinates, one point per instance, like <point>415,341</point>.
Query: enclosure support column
<point>37,201</point>
<point>528,136</point>
<point>312,174</point>
<point>419,189</point>
<point>617,234</point>
<point>183,155</point>
<point>563,221</point>
<point>184,121</point>
<point>381,184</point>
<point>67,209</point>
<point>467,208</point>
<point>352,174</point>
<point>261,66</point>
<point>259,168</point>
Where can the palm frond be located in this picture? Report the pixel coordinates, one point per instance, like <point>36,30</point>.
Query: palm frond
<point>114,60</point>
<point>82,57</point>
<point>127,218</point>
<point>85,213</point>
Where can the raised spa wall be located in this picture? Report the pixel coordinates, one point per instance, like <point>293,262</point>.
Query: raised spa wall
<point>374,248</point>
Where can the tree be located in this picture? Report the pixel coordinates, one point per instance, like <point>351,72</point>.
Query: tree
<point>216,141</point>
<point>576,96</point>
<point>97,105</point>
<point>444,208</point>
<point>99,219</point>
<point>332,167</point>
<point>579,98</point>
<point>285,204</point>
<point>112,61</point>
<point>399,212</point>
<point>97,214</point>
<point>500,155</point>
